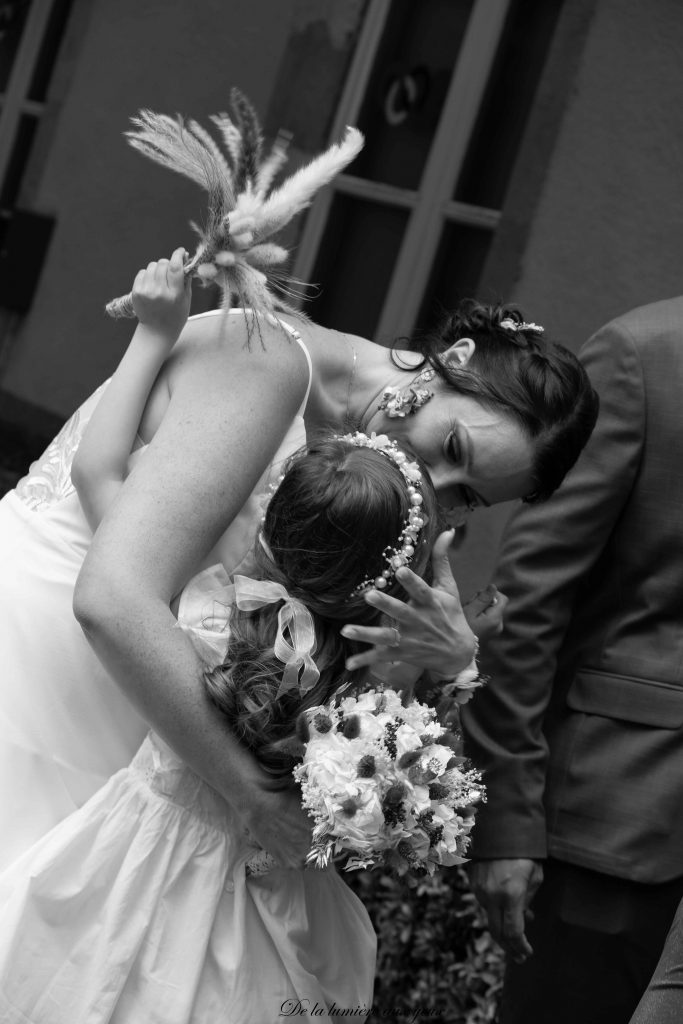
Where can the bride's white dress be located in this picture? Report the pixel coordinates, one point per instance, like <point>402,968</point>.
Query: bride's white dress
<point>142,905</point>
<point>66,729</point>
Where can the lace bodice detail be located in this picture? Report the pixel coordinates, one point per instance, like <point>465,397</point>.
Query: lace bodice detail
<point>49,477</point>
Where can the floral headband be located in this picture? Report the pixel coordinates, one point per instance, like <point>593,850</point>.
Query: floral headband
<point>403,553</point>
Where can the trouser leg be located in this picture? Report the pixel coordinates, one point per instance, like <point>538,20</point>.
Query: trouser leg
<point>596,942</point>
<point>663,1000</point>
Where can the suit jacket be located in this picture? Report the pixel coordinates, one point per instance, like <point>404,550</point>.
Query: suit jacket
<point>580,728</point>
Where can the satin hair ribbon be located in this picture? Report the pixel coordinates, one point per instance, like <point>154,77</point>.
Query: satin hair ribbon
<point>293,618</point>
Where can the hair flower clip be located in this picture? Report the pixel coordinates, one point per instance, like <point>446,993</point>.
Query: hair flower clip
<point>520,325</point>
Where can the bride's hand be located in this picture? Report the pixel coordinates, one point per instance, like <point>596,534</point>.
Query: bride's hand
<point>431,629</point>
<point>276,821</point>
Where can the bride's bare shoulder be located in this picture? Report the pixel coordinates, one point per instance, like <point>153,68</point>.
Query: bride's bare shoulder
<point>239,339</point>
<point>217,351</point>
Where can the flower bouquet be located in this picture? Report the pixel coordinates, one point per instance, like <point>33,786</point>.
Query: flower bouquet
<point>385,785</point>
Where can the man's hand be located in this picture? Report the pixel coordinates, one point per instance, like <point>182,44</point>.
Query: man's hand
<point>485,612</point>
<point>505,888</point>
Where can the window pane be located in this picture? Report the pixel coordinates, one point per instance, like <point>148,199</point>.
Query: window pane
<point>355,263</point>
<point>406,92</point>
<point>12,20</point>
<point>508,99</point>
<point>18,160</point>
<point>52,39</point>
<point>456,271</point>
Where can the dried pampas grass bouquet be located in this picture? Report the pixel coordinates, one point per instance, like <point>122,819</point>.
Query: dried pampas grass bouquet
<point>245,209</point>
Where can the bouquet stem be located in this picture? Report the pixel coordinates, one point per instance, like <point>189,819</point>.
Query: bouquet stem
<point>123,306</point>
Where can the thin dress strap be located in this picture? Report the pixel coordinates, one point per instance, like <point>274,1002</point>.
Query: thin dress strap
<point>290,330</point>
<point>299,340</point>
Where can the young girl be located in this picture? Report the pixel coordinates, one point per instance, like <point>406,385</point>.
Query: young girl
<point>149,903</point>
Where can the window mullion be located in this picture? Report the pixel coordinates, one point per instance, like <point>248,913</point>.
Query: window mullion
<point>377,192</point>
<point>16,96</point>
<point>347,113</point>
<point>473,216</point>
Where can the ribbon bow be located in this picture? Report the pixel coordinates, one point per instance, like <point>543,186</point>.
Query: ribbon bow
<point>293,618</point>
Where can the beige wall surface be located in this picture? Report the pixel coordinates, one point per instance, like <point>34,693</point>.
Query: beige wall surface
<point>115,210</point>
<point>607,233</point>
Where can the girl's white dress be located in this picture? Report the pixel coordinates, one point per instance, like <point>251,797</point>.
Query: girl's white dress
<point>130,901</point>
<point>142,906</point>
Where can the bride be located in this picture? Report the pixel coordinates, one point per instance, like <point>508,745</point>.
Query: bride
<point>494,411</point>
<point>506,415</point>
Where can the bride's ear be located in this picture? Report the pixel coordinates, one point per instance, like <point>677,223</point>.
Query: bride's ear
<point>460,352</point>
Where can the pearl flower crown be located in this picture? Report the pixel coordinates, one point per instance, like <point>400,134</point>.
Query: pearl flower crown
<point>403,553</point>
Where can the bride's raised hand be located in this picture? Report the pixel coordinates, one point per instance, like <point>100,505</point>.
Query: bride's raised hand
<point>276,821</point>
<point>431,629</point>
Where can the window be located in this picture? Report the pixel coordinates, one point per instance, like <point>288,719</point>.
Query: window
<point>30,34</point>
<point>442,90</point>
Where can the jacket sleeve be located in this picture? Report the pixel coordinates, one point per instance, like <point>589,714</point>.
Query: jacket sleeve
<point>547,550</point>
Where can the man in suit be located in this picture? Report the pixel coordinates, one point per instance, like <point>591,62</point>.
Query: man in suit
<point>580,728</point>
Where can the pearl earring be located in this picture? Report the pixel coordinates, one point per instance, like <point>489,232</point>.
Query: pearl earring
<point>400,402</point>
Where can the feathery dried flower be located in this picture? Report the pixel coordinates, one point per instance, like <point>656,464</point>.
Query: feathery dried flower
<point>244,209</point>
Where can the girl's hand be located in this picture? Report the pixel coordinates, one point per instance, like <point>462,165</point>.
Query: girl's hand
<point>431,629</point>
<point>161,297</point>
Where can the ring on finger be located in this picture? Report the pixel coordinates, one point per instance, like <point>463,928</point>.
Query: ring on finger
<point>397,637</point>
<point>494,601</point>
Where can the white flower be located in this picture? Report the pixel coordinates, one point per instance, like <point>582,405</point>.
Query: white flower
<point>364,827</point>
<point>468,677</point>
<point>406,739</point>
<point>365,702</point>
<point>433,729</point>
<point>331,770</point>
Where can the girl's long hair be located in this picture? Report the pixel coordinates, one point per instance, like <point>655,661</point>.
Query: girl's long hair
<point>337,510</point>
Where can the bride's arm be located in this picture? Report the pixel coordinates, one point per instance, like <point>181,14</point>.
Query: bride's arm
<point>228,412</point>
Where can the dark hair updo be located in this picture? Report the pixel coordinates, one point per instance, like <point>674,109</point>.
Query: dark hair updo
<point>537,382</point>
<point>327,525</point>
